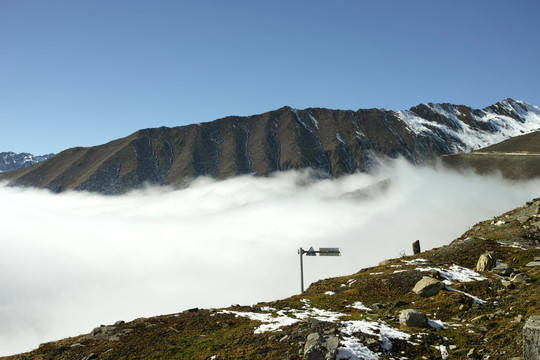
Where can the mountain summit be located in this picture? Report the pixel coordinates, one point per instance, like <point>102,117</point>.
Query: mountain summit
<point>333,142</point>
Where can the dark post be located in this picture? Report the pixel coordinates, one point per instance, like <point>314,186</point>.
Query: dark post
<point>301,252</point>
<point>416,247</point>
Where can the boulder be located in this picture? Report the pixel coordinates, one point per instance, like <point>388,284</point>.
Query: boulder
<point>428,286</point>
<point>319,347</point>
<point>412,317</point>
<point>487,261</point>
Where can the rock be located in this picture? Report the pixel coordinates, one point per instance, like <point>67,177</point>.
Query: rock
<point>533,264</point>
<point>503,269</point>
<point>413,318</point>
<point>537,258</point>
<point>523,219</point>
<point>318,347</point>
<point>518,318</point>
<point>401,303</point>
<point>507,284</point>
<point>108,332</point>
<point>487,261</point>
<point>531,338</point>
<point>518,279</point>
<point>428,286</point>
<point>377,306</point>
<point>472,353</point>
<point>90,357</point>
<point>479,318</point>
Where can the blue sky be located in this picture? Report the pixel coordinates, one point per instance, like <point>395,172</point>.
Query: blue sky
<point>82,73</point>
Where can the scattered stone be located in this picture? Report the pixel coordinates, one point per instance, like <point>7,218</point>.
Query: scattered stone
<point>377,306</point>
<point>119,322</point>
<point>108,332</point>
<point>537,258</point>
<point>507,284</point>
<point>90,357</point>
<point>401,303</point>
<point>286,337</point>
<point>428,286</point>
<point>413,318</point>
<point>472,353</point>
<point>503,269</point>
<point>533,264</point>
<point>312,321</point>
<point>76,345</point>
<point>522,219</point>
<point>479,318</point>
<point>518,279</point>
<point>531,338</point>
<point>318,347</point>
<point>518,318</point>
<point>487,261</point>
<point>452,347</point>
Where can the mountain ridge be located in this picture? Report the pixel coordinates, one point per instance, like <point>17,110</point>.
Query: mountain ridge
<point>332,142</point>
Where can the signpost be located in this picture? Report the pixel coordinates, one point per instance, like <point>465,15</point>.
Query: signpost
<point>313,252</point>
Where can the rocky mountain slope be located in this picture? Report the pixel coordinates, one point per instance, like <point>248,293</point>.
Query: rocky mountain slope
<point>11,161</point>
<point>515,158</point>
<point>467,300</point>
<point>333,142</point>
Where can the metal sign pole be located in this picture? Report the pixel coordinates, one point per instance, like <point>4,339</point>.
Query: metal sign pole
<point>301,252</point>
<point>312,252</point>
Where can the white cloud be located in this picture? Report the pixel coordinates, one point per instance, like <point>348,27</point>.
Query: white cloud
<point>73,261</point>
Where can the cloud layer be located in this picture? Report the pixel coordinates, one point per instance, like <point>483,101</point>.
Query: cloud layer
<point>73,261</point>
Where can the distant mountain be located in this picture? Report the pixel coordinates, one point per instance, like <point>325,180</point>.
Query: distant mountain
<point>515,158</point>
<point>12,161</point>
<point>333,142</point>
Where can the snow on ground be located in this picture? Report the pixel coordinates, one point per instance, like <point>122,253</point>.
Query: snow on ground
<point>359,306</point>
<point>455,273</point>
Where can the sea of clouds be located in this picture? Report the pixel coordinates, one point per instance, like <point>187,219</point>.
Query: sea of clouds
<point>73,261</point>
